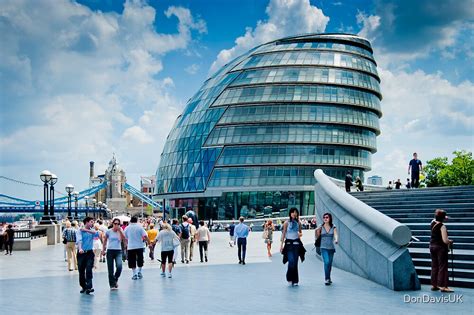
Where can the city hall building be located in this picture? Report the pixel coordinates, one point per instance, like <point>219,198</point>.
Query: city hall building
<point>250,139</point>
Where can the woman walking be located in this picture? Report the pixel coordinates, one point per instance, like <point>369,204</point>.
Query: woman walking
<point>203,237</point>
<point>268,236</point>
<point>69,235</point>
<point>439,248</point>
<point>113,244</point>
<point>329,237</point>
<point>291,246</point>
<point>97,245</point>
<point>169,241</point>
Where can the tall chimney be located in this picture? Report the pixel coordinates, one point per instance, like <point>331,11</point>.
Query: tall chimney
<point>91,169</point>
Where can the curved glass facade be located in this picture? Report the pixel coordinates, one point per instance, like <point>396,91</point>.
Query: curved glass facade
<point>250,139</point>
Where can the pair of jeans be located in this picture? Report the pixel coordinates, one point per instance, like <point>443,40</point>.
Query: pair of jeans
<point>439,266</point>
<point>203,246</point>
<point>114,255</point>
<point>241,248</point>
<point>327,255</point>
<point>292,251</point>
<point>85,263</point>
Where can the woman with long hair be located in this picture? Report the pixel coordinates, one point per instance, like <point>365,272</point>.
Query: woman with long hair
<point>291,245</point>
<point>329,237</point>
<point>203,237</point>
<point>169,241</point>
<point>439,248</point>
<point>113,244</point>
<point>268,236</point>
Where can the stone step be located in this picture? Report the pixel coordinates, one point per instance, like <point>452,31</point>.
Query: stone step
<point>458,273</point>
<point>459,254</point>
<point>397,200</point>
<point>428,206</point>
<point>428,220</point>
<point>427,232</point>
<point>427,212</point>
<point>461,264</point>
<point>449,226</point>
<point>468,216</point>
<point>468,246</point>
<point>456,239</point>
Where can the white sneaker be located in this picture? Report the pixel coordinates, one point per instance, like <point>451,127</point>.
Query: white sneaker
<point>169,275</point>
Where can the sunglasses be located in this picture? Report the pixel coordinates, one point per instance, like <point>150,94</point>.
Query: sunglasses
<point>115,223</point>
<point>325,217</point>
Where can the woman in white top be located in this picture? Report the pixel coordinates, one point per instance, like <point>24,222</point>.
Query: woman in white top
<point>204,237</point>
<point>169,241</point>
<point>97,246</point>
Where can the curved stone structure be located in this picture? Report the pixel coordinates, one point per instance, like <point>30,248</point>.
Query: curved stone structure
<point>370,243</point>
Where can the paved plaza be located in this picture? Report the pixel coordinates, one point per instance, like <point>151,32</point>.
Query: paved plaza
<point>38,282</point>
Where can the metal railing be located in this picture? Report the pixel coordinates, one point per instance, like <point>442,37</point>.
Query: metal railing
<point>30,234</point>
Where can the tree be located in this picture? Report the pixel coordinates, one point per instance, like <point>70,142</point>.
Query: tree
<point>459,172</point>
<point>432,169</point>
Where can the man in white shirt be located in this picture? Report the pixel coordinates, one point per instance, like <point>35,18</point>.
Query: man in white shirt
<point>185,239</point>
<point>135,236</point>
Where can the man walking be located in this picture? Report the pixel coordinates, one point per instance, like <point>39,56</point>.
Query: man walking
<point>184,238</point>
<point>348,181</point>
<point>241,232</point>
<point>135,235</point>
<point>85,254</point>
<point>416,167</point>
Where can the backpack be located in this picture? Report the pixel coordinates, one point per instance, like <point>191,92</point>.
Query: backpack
<point>184,232</point>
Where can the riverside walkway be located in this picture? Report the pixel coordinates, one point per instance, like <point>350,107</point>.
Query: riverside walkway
<point>38,282</point>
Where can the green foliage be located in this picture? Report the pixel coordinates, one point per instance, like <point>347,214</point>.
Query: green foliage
<point>457,173</point>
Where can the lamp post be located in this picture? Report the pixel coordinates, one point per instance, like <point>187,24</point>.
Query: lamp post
<point>86,198</point>
<point>94,204</point>
<point>53,180</point>
<point>45,177</point>
<point>69,190</point>
<point>75,194</point>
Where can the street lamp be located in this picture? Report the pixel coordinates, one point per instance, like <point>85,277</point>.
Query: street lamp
<point>53,180</point>
<point>45,177</point>
<point>94,204</point>
<point>69,190</point>
<point>75,194</point>
<point>86,198</point>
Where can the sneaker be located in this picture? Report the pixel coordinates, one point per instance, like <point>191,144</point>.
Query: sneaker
<point>89,291</point>
<point>70,269</point>
<point>82,290</point>
<point>240,261</point>
<point>169,275</point>
<point>201,260</point>
<point>163,274</point>
<point>182,261</point>
<point>113,288</point>
<point>135,277</point>
<point>140,276</point>
<point>243,262</point>
<point>205,258</point>
<point>187,261</point>
<point>327,282</point>
<point>295,284</point>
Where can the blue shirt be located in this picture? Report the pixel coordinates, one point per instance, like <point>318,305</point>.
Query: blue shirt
<point>241,230</point>
<point>231,229</point>
<point>86,239</point>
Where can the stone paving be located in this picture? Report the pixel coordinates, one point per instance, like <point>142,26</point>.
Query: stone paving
<point>37,282</point>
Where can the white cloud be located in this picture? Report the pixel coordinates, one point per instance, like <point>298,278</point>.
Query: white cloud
<point>369,24</point>
<point>192,69</point>
<point>78,83</point>
<point>285,17</point>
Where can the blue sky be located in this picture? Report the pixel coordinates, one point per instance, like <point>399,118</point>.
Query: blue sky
<point>82,80</point>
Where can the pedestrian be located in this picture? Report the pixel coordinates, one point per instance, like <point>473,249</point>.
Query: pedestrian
<point>231,233</point>
<point>241,232</point>
<point>103,229</point>
<point>408,184</point>
<point>9,235</point>
<point>177,230</point>
<point>169,241</point>
<point>69,235</point>
<point>112,248</point>
<point>329,237</point>
<point>2,237</point>
<point>291,246</point>
<point>152,233</point>
<point>415,167</point>
<point>85,254</point>
<point>184,238</point>
<point>97,246</point>
<point>268,236</point>
<point>192,238</point>
<point>359,184</point>
<point>135,235</point>
<point>398,184</point>
<point>348,181</point>
<point>204,237</point>
<point>439,248</point>
<point>389,187</point>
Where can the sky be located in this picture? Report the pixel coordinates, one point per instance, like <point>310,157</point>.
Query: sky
<point>81,80</point>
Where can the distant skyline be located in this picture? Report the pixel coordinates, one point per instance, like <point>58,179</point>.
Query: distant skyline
<point>80,80</point>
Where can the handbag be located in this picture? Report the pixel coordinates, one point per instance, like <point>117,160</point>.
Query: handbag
<point>64,240</point>
<point>176,242</point>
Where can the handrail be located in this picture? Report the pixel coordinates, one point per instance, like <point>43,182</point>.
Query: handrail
<point>398,233</point>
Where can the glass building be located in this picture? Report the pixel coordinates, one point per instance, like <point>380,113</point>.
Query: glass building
<point>250,139</point>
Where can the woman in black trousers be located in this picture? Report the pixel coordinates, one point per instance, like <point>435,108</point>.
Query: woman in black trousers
<point>439,248</point>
